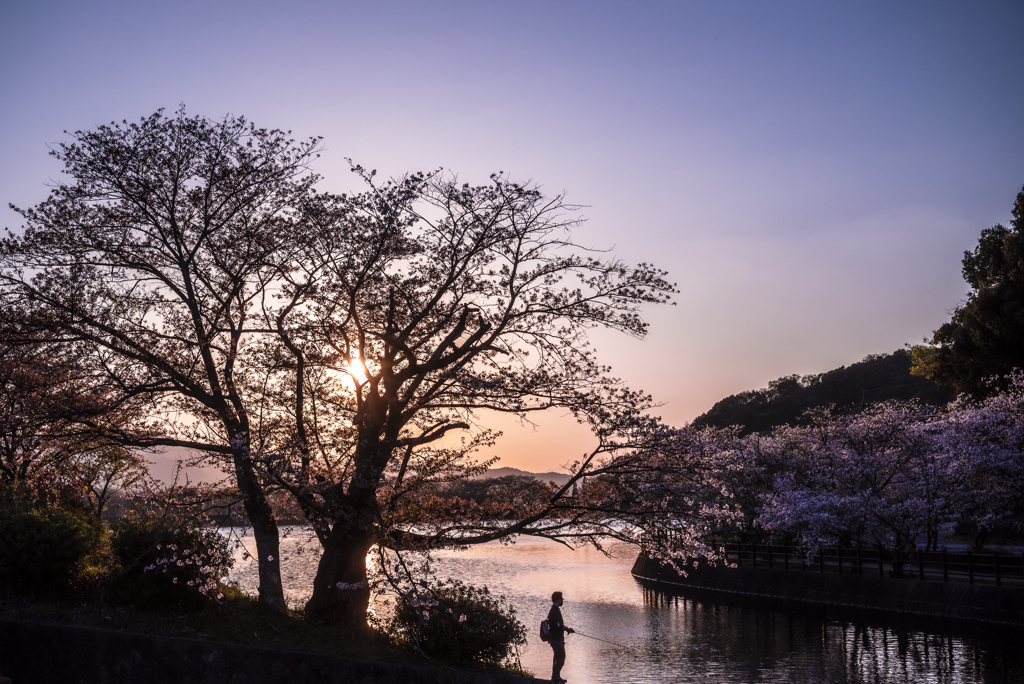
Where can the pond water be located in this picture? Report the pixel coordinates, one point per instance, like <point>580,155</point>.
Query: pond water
<point>660,638</point>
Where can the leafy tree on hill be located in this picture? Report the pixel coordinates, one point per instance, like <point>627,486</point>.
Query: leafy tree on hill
<point>985,336</point>
<point>879,377</point>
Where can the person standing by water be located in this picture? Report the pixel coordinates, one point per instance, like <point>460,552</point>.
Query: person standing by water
<point>557,641</point>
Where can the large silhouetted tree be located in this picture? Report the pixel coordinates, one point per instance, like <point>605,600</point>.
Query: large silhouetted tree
<point>436,303</point>
<point>347,349</point>
<point>155,256</point>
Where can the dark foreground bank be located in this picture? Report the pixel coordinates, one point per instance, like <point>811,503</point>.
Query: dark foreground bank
<point>37,653</point>
<point>958,602</point>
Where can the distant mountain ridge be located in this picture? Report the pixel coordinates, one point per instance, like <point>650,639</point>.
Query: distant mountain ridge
<point>878,377</point>
<point>557,478</point>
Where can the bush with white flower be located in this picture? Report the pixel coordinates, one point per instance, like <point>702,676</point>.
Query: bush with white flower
<point>168,564</point>
<point>458,622</point>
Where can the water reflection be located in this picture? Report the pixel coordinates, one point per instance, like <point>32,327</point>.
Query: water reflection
<point>663,638</point>
<point>740,641</point>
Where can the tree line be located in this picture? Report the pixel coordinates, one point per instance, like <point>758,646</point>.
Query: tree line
<point>888,476</point>
<point>876,378</point>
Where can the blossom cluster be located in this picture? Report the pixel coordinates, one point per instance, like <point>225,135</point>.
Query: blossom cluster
<point>199,569</point>
<point>888,475</point>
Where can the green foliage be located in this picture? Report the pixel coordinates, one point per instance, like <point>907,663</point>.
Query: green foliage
<point>166,564</point>
<point>879,377</point>
<point>924,361</point>
<point>459,623</point>
<point>985,336</point>
<point>48,552</point>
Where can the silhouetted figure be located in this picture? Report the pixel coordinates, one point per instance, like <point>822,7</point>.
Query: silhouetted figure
<point>557,641</point>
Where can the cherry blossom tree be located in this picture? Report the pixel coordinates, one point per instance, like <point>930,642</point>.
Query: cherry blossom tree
<point>53,448</point>
<point>889,474</point>
<point>416,309</point>
<point>332,346</point>
<point>869,477</point>
<point>983,442</point>
<point>154,258</point>
<point>684,493</point>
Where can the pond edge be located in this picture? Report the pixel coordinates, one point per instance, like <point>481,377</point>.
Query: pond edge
<point>951,601</point>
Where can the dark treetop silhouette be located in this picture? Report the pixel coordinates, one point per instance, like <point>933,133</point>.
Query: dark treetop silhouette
<point>985,336</point>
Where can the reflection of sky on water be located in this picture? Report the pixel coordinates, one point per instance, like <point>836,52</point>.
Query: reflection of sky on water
<point>300,552</point>
<point>670,639</point>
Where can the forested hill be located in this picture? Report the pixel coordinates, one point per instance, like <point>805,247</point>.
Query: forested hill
<point>557,478</point>
<point>877,378</point>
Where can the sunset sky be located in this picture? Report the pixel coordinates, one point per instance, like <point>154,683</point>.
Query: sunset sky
<point>809,173</point>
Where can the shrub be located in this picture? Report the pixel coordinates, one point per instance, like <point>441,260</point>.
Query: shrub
<point>458,622</point>
<point>167,564</point>
<point>47,552</point>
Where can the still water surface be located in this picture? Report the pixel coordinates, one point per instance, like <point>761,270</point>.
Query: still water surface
<point>661,638</point>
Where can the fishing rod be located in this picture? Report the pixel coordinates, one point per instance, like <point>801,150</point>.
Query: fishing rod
<point>596,639</point>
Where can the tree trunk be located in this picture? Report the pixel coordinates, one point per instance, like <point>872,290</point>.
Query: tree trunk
<point>341,592</point>
<point>264,532</point>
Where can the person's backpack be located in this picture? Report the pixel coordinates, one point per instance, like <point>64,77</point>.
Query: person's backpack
<point>545,631</point>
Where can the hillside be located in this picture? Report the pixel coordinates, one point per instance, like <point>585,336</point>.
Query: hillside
<point>557,478</point>
<point>878,377</point>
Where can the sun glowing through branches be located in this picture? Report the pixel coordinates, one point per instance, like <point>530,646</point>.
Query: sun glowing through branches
<point>356,369</point>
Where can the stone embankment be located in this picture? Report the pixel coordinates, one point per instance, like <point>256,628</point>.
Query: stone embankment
<point>34,653</point>
<point>952,601</point>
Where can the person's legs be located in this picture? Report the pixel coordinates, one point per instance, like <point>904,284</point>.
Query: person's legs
<point>556,667</point>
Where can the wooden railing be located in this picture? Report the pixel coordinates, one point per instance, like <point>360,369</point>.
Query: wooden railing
<point>939,566</point>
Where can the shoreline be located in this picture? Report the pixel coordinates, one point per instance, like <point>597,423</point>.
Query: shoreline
<point>986,605</point>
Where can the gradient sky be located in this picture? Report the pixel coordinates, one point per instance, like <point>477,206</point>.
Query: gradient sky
<point>809,173</point>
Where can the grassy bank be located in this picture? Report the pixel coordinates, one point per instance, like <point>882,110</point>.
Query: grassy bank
<point>240,619</point>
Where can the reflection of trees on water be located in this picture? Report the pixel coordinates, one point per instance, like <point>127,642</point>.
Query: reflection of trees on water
<point>736,641</point>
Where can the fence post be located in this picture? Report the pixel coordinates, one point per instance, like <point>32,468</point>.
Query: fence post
<point>860,563</point>
<point>881,568</point>
<point>753,556</point>
<point>785,557</point>
<point>839,557</point>
<point>970,566</point>
<point>920,564</point>
<point>897,566</point>
<point>821,560</point>
<point>769,555</point>
<point>945,567</point>
<point>995,566</point>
